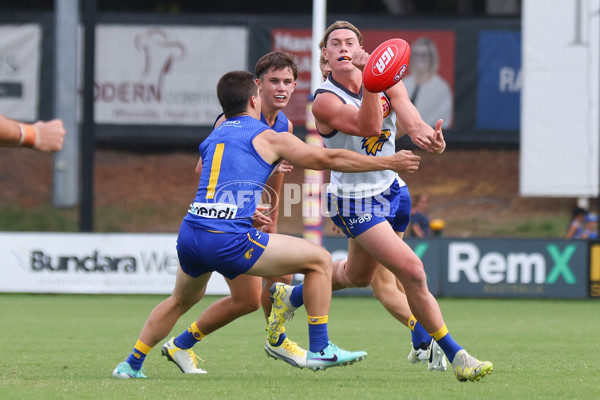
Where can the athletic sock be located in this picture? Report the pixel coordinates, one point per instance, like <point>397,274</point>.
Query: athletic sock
<point>419,335</point>
<point>282,337</point>
<point>450,347</point>
<point>138,355</point>
<point>296,299</point>
<point>317,333</point>
<point>189,337</point>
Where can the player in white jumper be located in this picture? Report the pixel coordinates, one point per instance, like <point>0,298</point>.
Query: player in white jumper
<point>371,209</point>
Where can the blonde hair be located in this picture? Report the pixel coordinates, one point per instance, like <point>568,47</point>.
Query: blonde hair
<point>340,25</point>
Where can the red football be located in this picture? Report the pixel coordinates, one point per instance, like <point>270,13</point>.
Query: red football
<point>386,65</point>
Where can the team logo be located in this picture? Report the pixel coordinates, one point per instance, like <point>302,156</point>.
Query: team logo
<point>374,144</point>
<point>248,254</point>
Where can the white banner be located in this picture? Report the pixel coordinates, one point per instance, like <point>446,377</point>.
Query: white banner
<point>20,53</point>
<point>92,263</point>
<point>163,75</point>
<point>560,98</point>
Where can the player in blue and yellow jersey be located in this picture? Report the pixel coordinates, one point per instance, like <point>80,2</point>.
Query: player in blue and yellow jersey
<point>275,74</point>
<point>372,208</point>
<point>217,233</point>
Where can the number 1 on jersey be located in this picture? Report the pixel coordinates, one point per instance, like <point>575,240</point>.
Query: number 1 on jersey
<point>215,169</point>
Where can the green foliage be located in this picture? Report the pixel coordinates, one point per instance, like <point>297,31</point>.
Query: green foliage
<point>65,346</point>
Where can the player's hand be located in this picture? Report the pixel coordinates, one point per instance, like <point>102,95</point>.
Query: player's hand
<point>432,142</point>
<point>283,167</point>
<point>259,218</point>
<point>49,136</point>
<point>359,58</point>
<point>406,162</point>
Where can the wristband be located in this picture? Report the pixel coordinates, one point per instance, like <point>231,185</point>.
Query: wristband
<point>27,135</point>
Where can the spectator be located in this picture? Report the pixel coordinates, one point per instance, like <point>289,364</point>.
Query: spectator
<point>590,227</point>
<point>576,225</point>
<point>419,222</point>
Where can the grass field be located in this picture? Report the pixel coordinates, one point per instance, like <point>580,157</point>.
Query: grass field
<point>65,347</point>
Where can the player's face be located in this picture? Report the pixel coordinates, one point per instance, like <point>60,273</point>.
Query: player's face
<point>338,50</point>
<point>276,87</point>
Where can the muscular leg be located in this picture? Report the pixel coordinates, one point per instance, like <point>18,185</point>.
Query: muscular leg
<point>288,255</point>
<point>389,250</point>
<point>386,290</point>
<point>244,299</point>
<point>188,292</point>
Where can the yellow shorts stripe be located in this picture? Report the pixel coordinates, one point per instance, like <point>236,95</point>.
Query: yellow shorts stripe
<point>255,242</point>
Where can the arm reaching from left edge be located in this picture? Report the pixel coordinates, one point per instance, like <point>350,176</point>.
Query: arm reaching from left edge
<point>47,137</point>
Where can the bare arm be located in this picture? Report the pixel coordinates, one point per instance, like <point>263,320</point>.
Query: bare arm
<point>273,146</point>
<point>409,121</point>
<point>41,136</point>
<point>332,114</point>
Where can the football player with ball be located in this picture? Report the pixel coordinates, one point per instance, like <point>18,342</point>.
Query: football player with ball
<point>373,208</point>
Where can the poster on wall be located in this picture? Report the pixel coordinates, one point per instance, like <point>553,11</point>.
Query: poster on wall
<point>20,53</point>
<point>163,75</point>
<point>499,80</point>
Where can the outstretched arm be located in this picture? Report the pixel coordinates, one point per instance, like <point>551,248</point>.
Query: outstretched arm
<point>409,121</point>
<point>42,136</point>
<point>273,146</point>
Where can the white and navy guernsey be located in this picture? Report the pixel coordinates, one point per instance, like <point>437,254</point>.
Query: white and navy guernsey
<point>361,184</point>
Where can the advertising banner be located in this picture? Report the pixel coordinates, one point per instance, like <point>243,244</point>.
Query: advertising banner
<point>499,80</point>
<point>20,55</point>
<point>164,75</point>
<point>515,268</point>
<point>92,263</point>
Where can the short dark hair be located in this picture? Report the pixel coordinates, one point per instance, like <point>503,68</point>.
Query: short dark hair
<point>275,60</point>
<point>234,90</point>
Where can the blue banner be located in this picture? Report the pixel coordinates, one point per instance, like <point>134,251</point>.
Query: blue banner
<point>499,80</point>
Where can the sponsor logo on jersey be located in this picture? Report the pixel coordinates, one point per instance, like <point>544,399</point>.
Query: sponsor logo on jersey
<point>385,103</point>
<point>214,210</point>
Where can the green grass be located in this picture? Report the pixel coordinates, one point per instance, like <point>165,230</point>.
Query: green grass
<point>143,218</point>
<point>65,347</point>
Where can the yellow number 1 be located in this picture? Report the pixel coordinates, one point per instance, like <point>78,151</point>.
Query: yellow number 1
<point>215,169</point>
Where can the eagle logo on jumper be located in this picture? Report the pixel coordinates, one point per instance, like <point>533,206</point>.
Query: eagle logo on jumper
<point>248,254</point>
<point>374,144</point>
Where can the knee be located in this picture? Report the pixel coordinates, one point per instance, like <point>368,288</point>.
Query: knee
<point>247,304</point>
<point>183,303</point>
<point>323,263</point>
<point>414,274</point>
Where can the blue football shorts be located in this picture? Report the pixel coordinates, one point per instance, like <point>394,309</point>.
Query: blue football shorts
<point>355,215</point>
<point>230,254</point>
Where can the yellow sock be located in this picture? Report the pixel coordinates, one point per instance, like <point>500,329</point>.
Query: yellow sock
<point>440,333</point>
<point>194,330</point>
<point>142,347</point>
